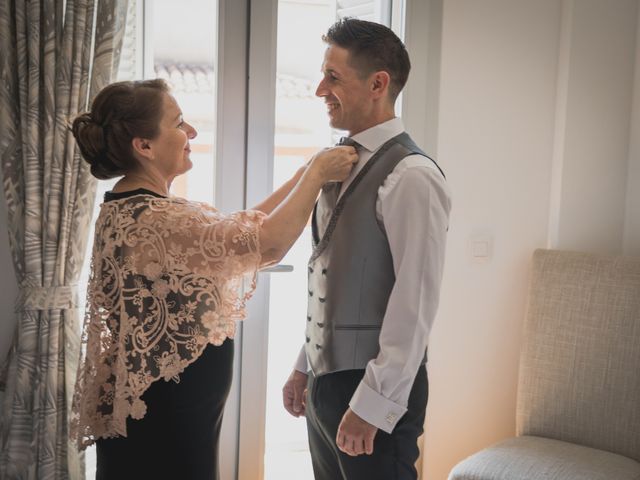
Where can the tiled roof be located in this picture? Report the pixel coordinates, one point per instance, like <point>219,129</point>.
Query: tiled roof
<point>200,78</point>
<point>186,78</point>
<point>288,86</point>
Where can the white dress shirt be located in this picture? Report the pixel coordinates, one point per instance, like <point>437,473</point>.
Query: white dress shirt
<point>413,207</point>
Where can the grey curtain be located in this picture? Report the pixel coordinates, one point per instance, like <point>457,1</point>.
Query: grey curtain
<point>55,55</point>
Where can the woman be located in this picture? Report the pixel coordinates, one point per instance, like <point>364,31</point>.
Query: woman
<point>167,286</point>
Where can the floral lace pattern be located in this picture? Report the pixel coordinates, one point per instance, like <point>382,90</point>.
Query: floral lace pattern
<point>168,277</point>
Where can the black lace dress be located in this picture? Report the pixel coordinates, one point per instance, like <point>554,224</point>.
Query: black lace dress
<point>179,435</point>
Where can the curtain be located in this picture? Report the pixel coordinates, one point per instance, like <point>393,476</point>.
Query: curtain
<point>55,55</point>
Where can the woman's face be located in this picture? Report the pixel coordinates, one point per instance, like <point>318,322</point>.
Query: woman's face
<point>171,149</point>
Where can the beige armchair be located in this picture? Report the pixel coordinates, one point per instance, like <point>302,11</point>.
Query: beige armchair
<point>578,407</point>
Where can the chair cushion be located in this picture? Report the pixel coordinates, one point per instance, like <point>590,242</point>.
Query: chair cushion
<point>533,458</point>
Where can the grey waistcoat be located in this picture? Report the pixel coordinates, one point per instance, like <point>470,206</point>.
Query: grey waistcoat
<point>351,269</point>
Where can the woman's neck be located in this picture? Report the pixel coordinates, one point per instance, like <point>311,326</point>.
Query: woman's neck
<point>135,181</point>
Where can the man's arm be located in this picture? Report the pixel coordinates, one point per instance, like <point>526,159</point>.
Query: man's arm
<point>414,207</point>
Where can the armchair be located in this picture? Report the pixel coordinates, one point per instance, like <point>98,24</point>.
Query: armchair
<point>578,406</point>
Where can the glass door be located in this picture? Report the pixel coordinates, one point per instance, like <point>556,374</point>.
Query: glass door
<point>301,129</point>
<point>287,123</point>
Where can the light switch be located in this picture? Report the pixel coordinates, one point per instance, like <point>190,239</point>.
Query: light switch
<point>480,249</point>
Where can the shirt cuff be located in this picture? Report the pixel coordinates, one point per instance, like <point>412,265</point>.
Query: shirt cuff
<point>301,362</point>
<point>376,409</point>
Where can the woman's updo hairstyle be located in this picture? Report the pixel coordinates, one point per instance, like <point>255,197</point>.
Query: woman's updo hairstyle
<point>121,112</point>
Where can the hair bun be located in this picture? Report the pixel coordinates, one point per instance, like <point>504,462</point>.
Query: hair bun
<point>119,113</point>
<point>90,137</point>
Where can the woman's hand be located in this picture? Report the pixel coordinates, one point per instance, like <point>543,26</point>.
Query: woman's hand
<point>333,164</point>
<point>285,223</point>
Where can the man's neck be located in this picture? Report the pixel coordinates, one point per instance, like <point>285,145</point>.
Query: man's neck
<point>376,120</point>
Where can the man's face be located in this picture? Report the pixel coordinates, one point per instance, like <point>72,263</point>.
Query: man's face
<point>345,93</point>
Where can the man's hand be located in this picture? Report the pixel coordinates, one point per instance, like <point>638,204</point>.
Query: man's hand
<point>294,393</point>
<point>355,436</point>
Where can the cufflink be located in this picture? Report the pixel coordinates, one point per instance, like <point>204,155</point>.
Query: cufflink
<point>391,417</point>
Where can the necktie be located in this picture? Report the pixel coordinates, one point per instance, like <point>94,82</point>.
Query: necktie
<point>350,142</point>
<point>331,190</point>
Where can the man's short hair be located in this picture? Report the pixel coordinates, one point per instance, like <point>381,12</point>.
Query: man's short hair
<point>372,47</point>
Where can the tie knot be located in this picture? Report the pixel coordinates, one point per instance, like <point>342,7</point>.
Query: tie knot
<point>349,142</point>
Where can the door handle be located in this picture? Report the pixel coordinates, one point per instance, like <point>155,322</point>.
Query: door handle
<point>278,269</point>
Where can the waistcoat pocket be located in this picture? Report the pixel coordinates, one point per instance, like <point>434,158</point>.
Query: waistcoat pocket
<point>357,327</point>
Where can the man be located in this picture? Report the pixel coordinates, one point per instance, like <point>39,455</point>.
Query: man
<point>374,275</point>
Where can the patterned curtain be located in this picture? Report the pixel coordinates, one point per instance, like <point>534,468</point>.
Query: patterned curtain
<point>55,55</point>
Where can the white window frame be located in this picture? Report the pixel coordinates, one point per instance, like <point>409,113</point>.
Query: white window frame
<point>260,150</point>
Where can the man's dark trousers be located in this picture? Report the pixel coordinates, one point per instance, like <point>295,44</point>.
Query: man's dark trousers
<point>394,455</point>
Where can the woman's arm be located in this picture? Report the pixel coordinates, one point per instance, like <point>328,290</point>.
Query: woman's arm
<point>272,201</point>
<point>285,223</point>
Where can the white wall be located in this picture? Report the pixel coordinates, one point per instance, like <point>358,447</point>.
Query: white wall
<point>631,244</point>
<point>533,133</point>
<point>497,106</point>
<point>597,93</point>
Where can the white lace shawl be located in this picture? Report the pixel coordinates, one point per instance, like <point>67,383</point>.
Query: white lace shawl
<point>168,277</point>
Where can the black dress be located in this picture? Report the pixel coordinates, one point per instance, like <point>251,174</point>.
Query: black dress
<point>179,435</point>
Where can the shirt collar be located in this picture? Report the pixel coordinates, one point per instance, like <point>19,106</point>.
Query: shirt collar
<point>373,138</point>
